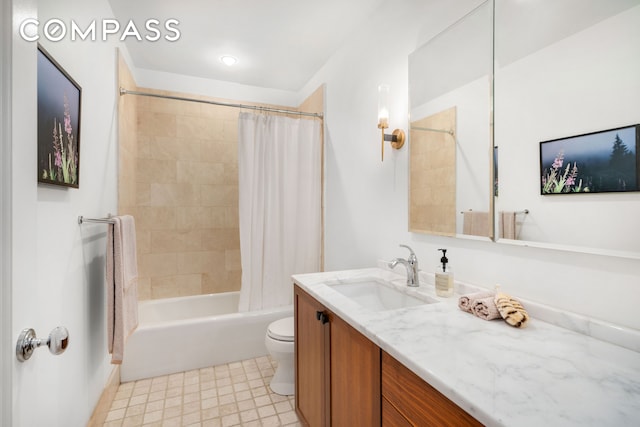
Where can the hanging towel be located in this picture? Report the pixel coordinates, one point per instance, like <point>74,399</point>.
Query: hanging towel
<point>465,302</point>
<point>507,225</point>
<point>122,285</point>
<point>475,223</point>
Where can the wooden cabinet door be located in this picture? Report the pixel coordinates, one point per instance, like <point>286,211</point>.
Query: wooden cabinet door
<point>418,402</point>
<point>311,360</point>
<point>355,377</point>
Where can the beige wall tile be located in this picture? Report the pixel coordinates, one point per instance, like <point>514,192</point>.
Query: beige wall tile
<point>189,284</point>
<point>230,174</point>
<point>165,241</point>
<point>201,262</point>
<point>197,127</point>
<point>232,260</point>
<point>156,124</point>
<point>199,172</point>
<point>219,112</point>
<point>221,282</point>
<point>232,217</point>
<point>217,151</point>
<point>219,195</point>
<point>230,131</point>
<point>144,146</point>
<point>218,217</point>
<point>157,265</point>
<point>143,193</point>
<point>155,218</point>
<point>193,218</point>
<point>176,286</point>
<point>182,194</point>
<point>163,148</point>
<point>189,149</point>
<point>152,170</point>
<point>144,288</point>
<point>143,241</point>
<point>220,239</point>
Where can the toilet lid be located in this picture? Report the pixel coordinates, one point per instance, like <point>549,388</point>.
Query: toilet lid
<point>281,330</point>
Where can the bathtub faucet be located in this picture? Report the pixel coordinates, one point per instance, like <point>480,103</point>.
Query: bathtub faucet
<point>411,264</point>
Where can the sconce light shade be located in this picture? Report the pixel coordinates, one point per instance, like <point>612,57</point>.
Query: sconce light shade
<point>397,137</point>
<point>383,106</point>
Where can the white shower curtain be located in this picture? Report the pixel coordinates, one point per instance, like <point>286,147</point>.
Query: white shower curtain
<point>279,163</point>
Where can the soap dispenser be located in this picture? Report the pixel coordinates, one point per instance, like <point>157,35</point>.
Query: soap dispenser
<point>444,277</point>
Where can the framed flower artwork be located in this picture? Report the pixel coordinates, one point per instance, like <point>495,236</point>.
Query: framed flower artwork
<point>598,162</point>
<point>59,98</point>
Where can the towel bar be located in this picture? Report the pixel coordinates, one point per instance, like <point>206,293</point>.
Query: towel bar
<point>108,220</point>
<point>525,211</point>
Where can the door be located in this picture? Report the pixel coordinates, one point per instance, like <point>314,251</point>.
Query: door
<point>5,223</point>
<point>312,360</point>
<point>355,377</point>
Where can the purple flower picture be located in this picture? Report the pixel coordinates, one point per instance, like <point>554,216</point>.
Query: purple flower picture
<point>58,124</point>
<point>598,162</point>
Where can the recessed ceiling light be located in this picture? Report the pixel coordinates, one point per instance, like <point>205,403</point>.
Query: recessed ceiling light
<point>228,60</point>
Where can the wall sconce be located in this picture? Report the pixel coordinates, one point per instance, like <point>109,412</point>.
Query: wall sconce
<point>397,137</point>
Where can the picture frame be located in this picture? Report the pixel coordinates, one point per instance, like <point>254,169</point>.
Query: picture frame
<point>59,110</point>
<point>599,162</point>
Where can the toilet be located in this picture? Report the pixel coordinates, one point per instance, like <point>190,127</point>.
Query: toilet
<point>279,342</point>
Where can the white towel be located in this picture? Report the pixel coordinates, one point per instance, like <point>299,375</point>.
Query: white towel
<point>122,285</point>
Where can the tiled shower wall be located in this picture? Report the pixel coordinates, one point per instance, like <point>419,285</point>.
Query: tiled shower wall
<point>184,196</point>
<point>187,198</point>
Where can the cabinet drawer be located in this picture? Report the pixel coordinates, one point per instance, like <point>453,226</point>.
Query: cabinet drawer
<point>391,417</point>
<point>416,400</point>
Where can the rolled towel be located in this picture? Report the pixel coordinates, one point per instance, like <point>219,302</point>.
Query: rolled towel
<point>511,310</point>
<point>465,302</point>
<point>485,308</point>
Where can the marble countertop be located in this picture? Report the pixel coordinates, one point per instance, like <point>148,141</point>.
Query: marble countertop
<point>503,376</point>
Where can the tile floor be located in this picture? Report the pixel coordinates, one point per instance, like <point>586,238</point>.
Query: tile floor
<point>235,394</point>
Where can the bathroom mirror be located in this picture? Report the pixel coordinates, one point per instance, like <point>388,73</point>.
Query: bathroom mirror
<point>564,68</point>
<point>450,144</point>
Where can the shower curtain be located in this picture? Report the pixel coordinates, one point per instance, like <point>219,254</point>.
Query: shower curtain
<point>279,165</point>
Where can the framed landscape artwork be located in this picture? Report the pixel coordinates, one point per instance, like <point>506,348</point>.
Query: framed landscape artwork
<point>58,120</point>
<point>599,162</point>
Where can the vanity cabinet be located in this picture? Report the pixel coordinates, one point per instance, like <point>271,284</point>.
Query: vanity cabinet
<point>407,400</point>
<point>344,379</point>
<point>337,369</point>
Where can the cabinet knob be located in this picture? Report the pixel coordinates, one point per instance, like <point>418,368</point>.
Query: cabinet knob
<point>322,316</point>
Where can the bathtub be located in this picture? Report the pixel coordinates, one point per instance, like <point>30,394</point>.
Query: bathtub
<point>184,333</point>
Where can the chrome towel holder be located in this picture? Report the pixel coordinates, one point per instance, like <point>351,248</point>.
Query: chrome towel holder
<point>107,220</point>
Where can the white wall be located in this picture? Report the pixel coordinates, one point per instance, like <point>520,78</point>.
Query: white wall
<point>58,266</point>
<point>213,88</point>
<point>366,201</point>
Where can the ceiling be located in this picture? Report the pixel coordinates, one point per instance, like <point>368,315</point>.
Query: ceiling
<point>279,44</point>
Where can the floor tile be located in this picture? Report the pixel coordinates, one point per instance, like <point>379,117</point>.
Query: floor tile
<point>234,394</point>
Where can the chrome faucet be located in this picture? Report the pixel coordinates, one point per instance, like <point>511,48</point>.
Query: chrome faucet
<point>411,264</point>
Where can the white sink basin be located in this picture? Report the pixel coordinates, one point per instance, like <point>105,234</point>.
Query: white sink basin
<point>377,295</point>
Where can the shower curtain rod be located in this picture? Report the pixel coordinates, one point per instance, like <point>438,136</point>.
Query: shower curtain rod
<point>124,91</point>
